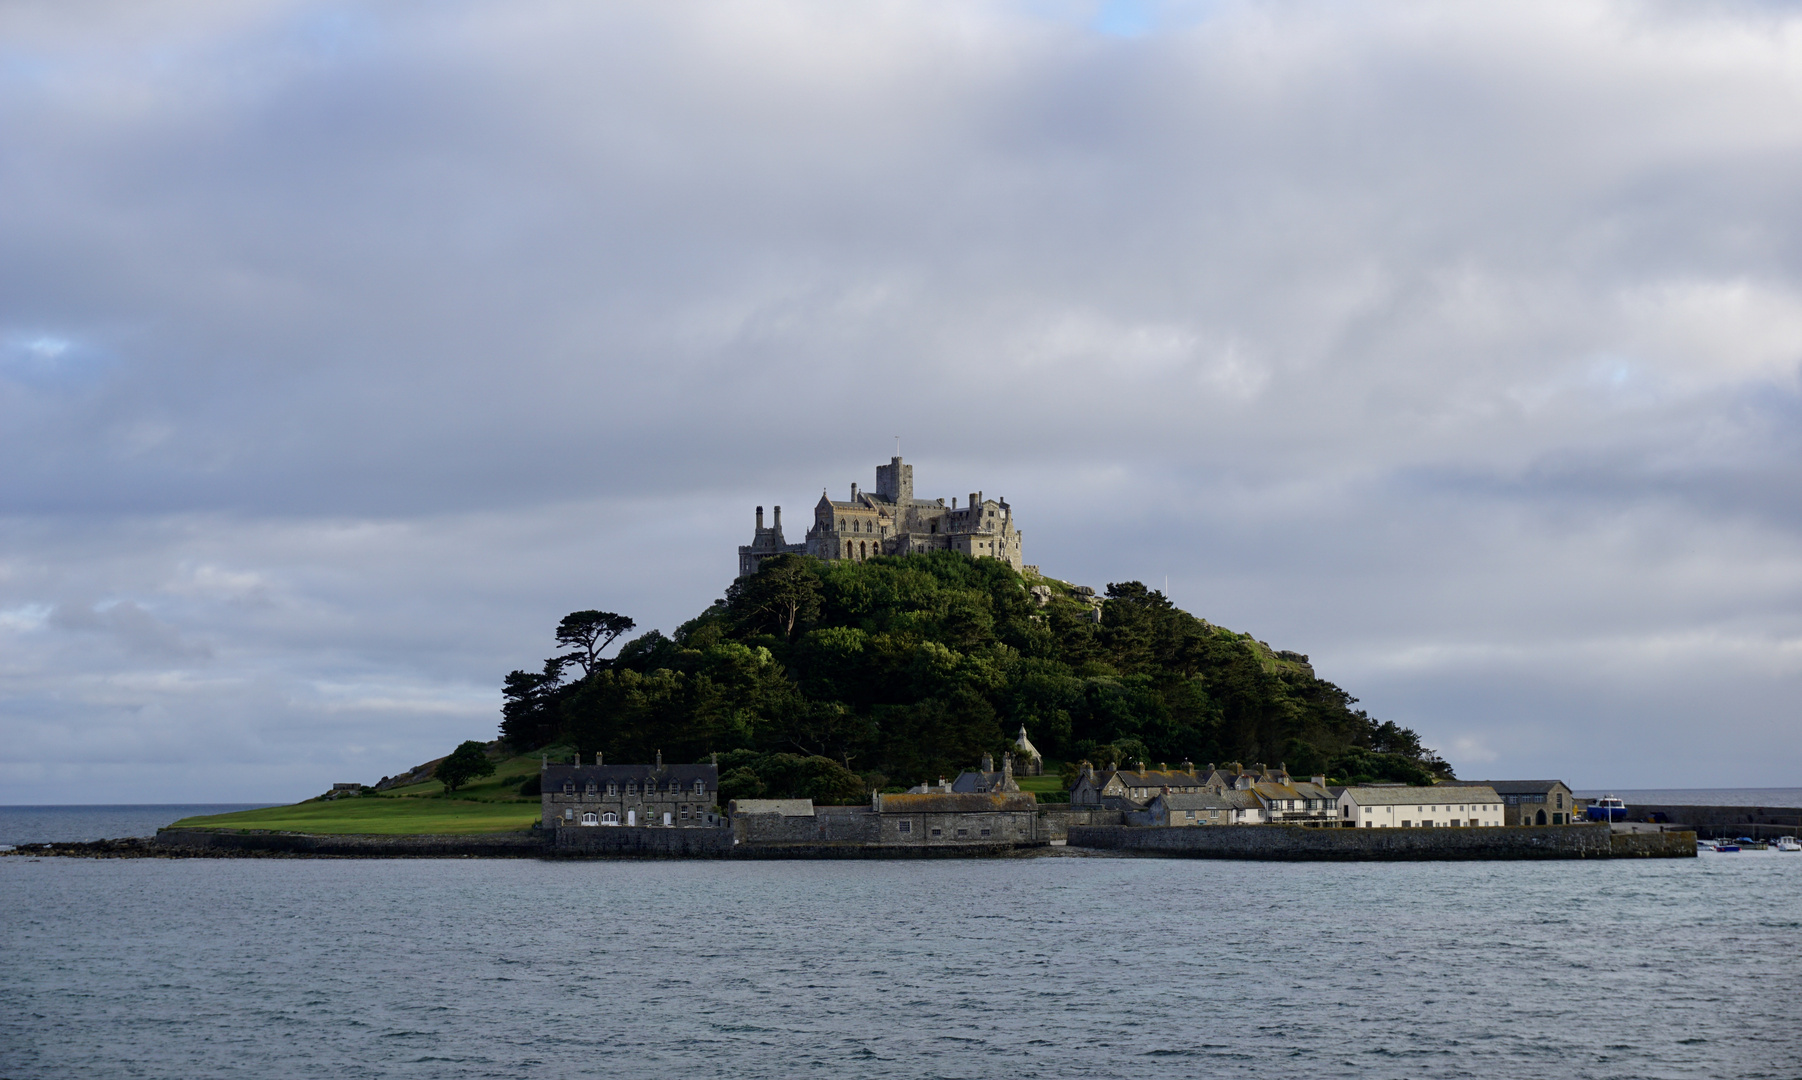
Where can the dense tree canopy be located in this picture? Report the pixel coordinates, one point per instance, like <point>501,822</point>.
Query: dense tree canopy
<point>905,669</point>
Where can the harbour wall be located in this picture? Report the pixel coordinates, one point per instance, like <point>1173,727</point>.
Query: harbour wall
<point>1293,842</point>
<point>1718,822</point>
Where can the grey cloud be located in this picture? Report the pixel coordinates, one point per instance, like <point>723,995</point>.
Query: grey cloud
<point>360,344</point>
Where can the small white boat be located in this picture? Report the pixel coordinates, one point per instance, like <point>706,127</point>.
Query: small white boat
<point>1788,843</point>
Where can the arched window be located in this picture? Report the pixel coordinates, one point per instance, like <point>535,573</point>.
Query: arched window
<point>590,819</point>
<point>863,551</point>
<point>610,818</point>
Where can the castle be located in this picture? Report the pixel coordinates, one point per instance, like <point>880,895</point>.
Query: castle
<point>890,521</point>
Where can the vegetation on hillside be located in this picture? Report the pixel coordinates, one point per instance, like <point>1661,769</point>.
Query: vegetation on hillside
<point>838,677</point>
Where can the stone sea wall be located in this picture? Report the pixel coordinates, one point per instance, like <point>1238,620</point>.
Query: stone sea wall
<point>1716,822</point>
<point>1292,842</point>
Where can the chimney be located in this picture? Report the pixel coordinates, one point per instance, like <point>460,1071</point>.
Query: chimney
<point>988,763</point>
<point>778,519</point>
<point>660,759</point>
<point>1163,766</point>
<point>853,491</point>
<point>1189,767</point>
<point>760,519</point>
<point>1141,768</point>
<point>1320,780</point>
<point>1007,769</point>
<point>578,757</point>
<point>975,501</point>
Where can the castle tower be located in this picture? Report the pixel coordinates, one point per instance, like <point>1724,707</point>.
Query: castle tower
<point>895,482</point>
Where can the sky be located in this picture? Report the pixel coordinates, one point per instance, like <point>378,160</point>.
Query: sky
<point>344,348</point>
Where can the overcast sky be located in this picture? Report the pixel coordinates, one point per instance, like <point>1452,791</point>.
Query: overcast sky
<point>345,348</point>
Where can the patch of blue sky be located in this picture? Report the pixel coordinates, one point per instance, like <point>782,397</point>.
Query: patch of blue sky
<point>49,361</point>
<point>1125,18</point>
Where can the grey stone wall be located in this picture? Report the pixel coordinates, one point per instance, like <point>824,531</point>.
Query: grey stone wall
<point>1726,822</point>
<point>1297,842</point>
<point>641,842</point>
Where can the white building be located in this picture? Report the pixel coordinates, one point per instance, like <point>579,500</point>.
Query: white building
<point>1384,807</point>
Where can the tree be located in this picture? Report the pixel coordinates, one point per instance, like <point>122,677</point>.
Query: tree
<point>589,633</point>
<point>465,763</point>
<point>780,595</point>
<point>529,713</point>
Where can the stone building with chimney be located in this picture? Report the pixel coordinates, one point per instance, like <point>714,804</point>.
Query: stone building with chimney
<point>890,521</point>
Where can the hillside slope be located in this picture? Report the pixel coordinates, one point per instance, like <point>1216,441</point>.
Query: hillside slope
<point>904,669</point>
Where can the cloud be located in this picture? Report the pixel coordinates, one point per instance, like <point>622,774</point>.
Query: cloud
<point>343,351</point>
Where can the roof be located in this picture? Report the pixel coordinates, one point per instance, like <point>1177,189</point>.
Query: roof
<point>1396,796</point>
<point>1511,787</point>
<point>1151,778</point>
<point>685,775</point>
<point>1195,800</point>
<point>785,807</point>
<point>1242,800</point>
<point>941,803</point>
<point>977,780</point>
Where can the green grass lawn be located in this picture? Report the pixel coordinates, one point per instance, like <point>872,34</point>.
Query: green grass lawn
<point>491,804</point>
<point>1045,788</point>
<point>370,815</point>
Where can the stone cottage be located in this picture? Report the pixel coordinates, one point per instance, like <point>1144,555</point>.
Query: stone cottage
<point>655,795</point>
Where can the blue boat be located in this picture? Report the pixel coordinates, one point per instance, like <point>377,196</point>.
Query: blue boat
<point>1608,808</point>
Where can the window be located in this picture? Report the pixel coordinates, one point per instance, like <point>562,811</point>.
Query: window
<point>590,788</point>
<point>612,788</point>
<point>985,832</point>
<point>906,827</point>
<point>590,819</point>
<point>1560,798</point>
<point>700,787</point>
<point>936,833</point>
<point>610,818</point>
<point>963,832</point>
<point>569,813</point>
<point>569,787</point>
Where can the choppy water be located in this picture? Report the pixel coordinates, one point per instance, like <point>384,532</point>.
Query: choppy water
<point>1043,967</point>
<point>64,824</point>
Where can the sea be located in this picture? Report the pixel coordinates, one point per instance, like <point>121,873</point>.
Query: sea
<point>66,824</point>
<point>1052,965</point>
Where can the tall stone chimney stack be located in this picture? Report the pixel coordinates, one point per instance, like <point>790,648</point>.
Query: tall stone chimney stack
<point>760,519</point>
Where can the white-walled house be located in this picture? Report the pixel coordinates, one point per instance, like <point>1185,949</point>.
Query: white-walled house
<point>1385,807</point>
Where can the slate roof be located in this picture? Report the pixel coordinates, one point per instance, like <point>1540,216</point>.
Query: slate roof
<point>1195,800</point>
<point>1151,778</point>
<point>1423,796</point>
<point>684,775</point>
<point>785,807</point>
<point>941,803</point>
<point>1511,787</point>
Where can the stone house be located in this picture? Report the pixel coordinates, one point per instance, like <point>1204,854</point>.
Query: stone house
<point>941,818</point>
<point>1114,788</point>
<point>890,521</point>
<point>1397,806</point>
<point>656,795</point>
<point>1531,802</point>
<point>986,779</point>
<point>1177,808</point>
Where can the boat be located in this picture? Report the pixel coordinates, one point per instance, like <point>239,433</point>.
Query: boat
<point>1726,845</point>
<point>1788,843</point>
<point>1746,843</point>
<point>1607,808</point>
